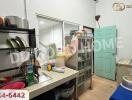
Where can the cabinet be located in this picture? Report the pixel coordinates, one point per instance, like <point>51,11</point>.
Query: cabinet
<point>83,60</point>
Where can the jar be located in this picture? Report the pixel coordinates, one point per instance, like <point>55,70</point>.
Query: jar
<point>60,60</point>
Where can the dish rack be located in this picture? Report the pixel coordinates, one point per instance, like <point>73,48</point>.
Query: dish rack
<point>31,44</point>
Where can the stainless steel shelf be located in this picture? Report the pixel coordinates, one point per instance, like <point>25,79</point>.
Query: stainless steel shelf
<point>81,71</point>
<point>81,51</point>
<point>16,30</point>
<point>83,82</point>
<point>84,69</point>
<point>83,60</point>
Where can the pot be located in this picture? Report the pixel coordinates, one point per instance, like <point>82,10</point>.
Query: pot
<point>16,21</point>
<point>1,21</point>
<point>23,23</point>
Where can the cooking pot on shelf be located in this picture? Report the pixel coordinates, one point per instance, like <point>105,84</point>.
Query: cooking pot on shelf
<point>1,21</point>
<point>15,21</point>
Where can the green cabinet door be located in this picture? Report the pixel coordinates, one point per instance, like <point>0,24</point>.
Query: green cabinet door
<point>105,52</point>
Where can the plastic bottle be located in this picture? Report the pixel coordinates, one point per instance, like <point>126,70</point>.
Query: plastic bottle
<point>30,74</point>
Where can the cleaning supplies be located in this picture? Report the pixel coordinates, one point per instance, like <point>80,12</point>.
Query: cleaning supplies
<point>30,74</point>
<point>49,67</point>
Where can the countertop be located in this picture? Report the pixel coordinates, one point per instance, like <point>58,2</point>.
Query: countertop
<point>56,80</point>
<point>125,65</point>
<point>124,62</point>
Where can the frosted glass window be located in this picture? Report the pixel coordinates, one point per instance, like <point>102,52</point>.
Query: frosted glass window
<point>69,27</point>
<point>50,31</point>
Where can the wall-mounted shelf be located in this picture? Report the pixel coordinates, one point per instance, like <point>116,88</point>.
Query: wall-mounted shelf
<point>31,40</point>
<point>15,48</point>
<point>30,32</point>
<point>16,30</point>
<point>9,69</point>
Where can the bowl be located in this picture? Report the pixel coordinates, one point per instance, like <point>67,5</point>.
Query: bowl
<point>14,85</point>
<point>16,21</point>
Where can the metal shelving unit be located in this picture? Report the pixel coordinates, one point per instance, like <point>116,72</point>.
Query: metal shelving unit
<point>83,60</point>
<point>31,40</point>
<point>30,32</point>
<point>4,29</point>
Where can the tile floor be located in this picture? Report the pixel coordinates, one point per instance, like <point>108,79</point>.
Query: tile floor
<point>102,89</point>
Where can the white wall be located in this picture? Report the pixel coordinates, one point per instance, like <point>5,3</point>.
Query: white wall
<point>52,34</point>
<point>12,7</point>
<point>123,22</point>
<point>77,11</point>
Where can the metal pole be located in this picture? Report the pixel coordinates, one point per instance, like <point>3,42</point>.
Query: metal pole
<point>25,8</point>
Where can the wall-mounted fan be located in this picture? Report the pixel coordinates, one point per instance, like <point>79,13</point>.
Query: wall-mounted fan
<point>120,6</point>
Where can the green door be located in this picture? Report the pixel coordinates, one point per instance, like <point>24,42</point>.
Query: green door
<point>105,52</point>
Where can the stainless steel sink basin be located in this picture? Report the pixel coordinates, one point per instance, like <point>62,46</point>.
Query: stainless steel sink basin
<point>127,82</point>
<point>44,78</point>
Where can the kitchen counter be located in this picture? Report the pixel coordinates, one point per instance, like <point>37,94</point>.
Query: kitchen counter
<point>126,65</point>
<point>56,80</point>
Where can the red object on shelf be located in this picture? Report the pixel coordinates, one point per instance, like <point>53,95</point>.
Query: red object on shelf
<point>15,85</point>
<point>5,79</point>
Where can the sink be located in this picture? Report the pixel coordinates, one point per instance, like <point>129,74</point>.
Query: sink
<point>44,78</point>
<point>127,82</point>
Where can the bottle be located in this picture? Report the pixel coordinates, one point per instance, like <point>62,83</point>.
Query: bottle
<point>30,74</point>
<point>49,67</point>
<point>60,58</point>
